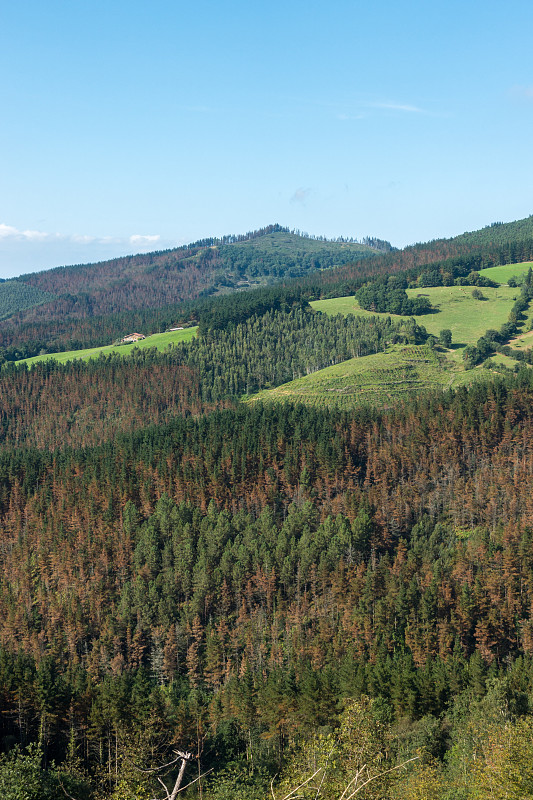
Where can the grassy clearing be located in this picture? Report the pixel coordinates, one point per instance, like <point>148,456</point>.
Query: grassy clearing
<point>159,340</point>
<point>468,319</point>
<point>502,360</point>
<point>342,305</point>
<point>503,273</point>
<point>380,379</point>
<point>402,370</point>
<point>376,379</point>
<point>523,341</point>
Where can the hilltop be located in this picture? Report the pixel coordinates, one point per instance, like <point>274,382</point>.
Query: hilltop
<point>95,304</point>
<point>203,268</point>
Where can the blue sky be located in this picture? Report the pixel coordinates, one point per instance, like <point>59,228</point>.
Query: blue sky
<point>130,126</point>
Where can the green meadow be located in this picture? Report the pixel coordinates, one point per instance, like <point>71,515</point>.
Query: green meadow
<point>159,340</point>
<point>376,379</point>
<point>403,370</point>
<point>503,273</point>
<point>524,341</point>
<point>457,310</point>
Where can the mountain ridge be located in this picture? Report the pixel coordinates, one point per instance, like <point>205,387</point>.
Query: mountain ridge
<point>164,294</point>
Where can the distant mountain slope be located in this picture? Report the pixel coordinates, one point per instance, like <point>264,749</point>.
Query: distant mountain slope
<point>97,303</point>
<point>499,243</point>
<point>16,295</point>
<point>499,233</point>
<point>207,267</point>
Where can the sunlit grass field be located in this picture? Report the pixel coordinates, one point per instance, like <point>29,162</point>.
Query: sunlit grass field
<point>523,341</point>
<point>457,310</point>
<point>377,379</point>
<point>404,370</point>
<point>503,273</point>
<point>159,340</point>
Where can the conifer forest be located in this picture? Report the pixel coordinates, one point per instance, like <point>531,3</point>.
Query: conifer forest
<point>206,593</point>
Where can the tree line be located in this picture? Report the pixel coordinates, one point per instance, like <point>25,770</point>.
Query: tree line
<point>80,321</point>
<point>81,403</point>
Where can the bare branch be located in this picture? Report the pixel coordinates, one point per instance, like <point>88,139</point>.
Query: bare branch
<point>324,775</point>
<point>196,779</point>
<point>175,790</point>
<point>379,775</point>
<point>151,770</point>
<point>180,756</point>
<point>182,789</point>
<point>354,780</point>
<point>163,785</point>
<point>291,794</point>
<point>348,788</point>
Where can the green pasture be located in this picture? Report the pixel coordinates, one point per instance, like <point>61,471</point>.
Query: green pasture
<point>159,340</point>
<point>404,370</point>
<point>376,379</point>
<point>342,305</point>
<point>524,341</point>
<point>379,379</point>
<point>457,310</point>
<point>503,273</point>
<point>506,361</point>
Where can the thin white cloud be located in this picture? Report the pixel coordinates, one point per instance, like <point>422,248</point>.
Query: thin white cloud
<point>141,240</point>
<point>39,236</point>
<point>398,107</point>
<point>7,230</point>
<point>80,239</point>
<point>23,251</point>
<point>10,233</point>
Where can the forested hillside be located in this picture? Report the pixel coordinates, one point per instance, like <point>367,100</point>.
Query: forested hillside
<point>77,404</point>
<point>151,296</point>
<point>15,295</point>
<point>252,569</point>
<point>203,268</point>
<point>333,599</point>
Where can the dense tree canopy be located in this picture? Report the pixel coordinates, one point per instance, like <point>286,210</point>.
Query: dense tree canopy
<point>296,596</point>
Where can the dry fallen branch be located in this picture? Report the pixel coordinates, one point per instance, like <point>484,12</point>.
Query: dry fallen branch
<point>352,788</point>
<point>374,777</point>
<point>291,794</point>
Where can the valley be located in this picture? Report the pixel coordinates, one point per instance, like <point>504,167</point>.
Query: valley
<point>266,401</point>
